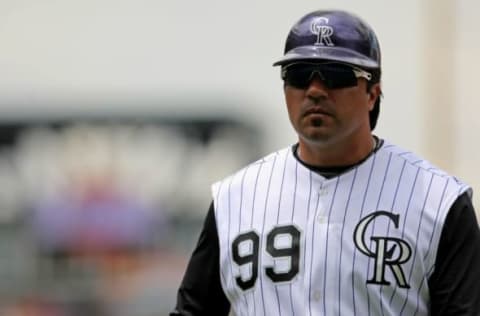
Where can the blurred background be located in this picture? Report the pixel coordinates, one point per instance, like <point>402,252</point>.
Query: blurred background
<point>116,116</point>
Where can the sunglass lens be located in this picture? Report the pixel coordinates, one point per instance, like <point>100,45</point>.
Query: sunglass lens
<point>298,76</point>
<point>334,76</point>
<point>338,76</point>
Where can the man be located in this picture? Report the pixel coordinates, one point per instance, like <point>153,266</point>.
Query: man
<point>343,222</point>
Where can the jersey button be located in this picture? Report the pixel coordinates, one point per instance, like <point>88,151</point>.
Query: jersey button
<point>322,219</point>
<point>323,192</point>
<point>317,295</point>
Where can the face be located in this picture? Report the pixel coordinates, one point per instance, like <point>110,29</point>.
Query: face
<point>323,114</point>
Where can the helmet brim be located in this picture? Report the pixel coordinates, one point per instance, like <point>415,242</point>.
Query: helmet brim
<point>329,53</point>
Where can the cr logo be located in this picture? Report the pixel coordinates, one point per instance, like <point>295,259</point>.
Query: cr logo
<point>323,31</point>
<point>383,250</point>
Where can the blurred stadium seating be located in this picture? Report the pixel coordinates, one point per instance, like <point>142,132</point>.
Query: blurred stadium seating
<point>98,215</point>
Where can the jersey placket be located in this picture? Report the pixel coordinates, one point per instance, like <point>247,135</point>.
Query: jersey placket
<point>321,252</point>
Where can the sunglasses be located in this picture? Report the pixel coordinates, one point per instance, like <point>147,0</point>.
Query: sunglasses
<point>333,75</point>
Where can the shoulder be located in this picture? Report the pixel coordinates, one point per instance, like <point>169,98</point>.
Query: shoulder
<point>412,159</point>
<point>424,173</point>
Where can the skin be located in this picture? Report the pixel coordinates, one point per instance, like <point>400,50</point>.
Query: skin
<point>332,124</point>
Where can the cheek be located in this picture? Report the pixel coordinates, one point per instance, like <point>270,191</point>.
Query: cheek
<point>293,100</point>
<point>357,98</point>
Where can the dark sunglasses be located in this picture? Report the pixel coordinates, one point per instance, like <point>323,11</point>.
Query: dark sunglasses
<point>333,75</point>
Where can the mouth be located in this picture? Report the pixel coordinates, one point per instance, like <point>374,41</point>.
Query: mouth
<point>316,110</point>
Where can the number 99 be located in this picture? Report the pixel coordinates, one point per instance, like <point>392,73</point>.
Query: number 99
<point>292,252</point>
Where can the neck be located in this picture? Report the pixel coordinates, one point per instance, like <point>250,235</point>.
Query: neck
<point>338,154</point>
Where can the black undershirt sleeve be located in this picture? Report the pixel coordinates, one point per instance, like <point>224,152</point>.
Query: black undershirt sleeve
<point>455,283</point>
<point>200,292</point>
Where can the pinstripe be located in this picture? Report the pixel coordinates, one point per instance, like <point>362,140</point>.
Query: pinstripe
<point>341,241</point>
<point>405,220</point>
<point>291,300</point>
<point>251,223</point>
<point>240,217</point>
<point>311,241</point>
<point>418,233</point>
<point>281,189</point>
<point>360,216</point>
<point>396,192</point>
<point>410,201</point>
<point>422,284</point>
<point>294,191</point>
<point>228,234</point>
<point>436,217</point>
<point>291,219</point>
<point>373,229</point>
<point>311,252</point>
<point>430,271</point>
<point>326,246</point>
<point>278,301</point>
<point>263,229</point>
<point>389,222</point>
<point>255,194</point>
<point>238,293</point>
<point>222,273</point>
<point>308,216</point>
<point>278,217</point>
<point>242,186</point>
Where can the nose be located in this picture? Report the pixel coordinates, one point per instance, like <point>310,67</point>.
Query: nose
<point>317,89</point>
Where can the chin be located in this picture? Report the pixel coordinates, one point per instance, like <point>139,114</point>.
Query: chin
<point>318,131</point>
<point>317,137</point>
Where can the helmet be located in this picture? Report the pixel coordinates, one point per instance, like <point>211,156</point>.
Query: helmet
<point>335,35</point>
<point>332,35</point>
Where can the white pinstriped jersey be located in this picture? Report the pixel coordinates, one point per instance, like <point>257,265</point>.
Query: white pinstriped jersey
<point>363,243</point>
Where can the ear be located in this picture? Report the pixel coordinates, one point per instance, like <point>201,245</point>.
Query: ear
<point>373,94</point>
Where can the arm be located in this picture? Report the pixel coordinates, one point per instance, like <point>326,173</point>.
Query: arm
<point>455,284</point>
<point>201,292</point>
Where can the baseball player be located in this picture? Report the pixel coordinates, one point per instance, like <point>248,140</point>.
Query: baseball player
<point>342,222</point>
